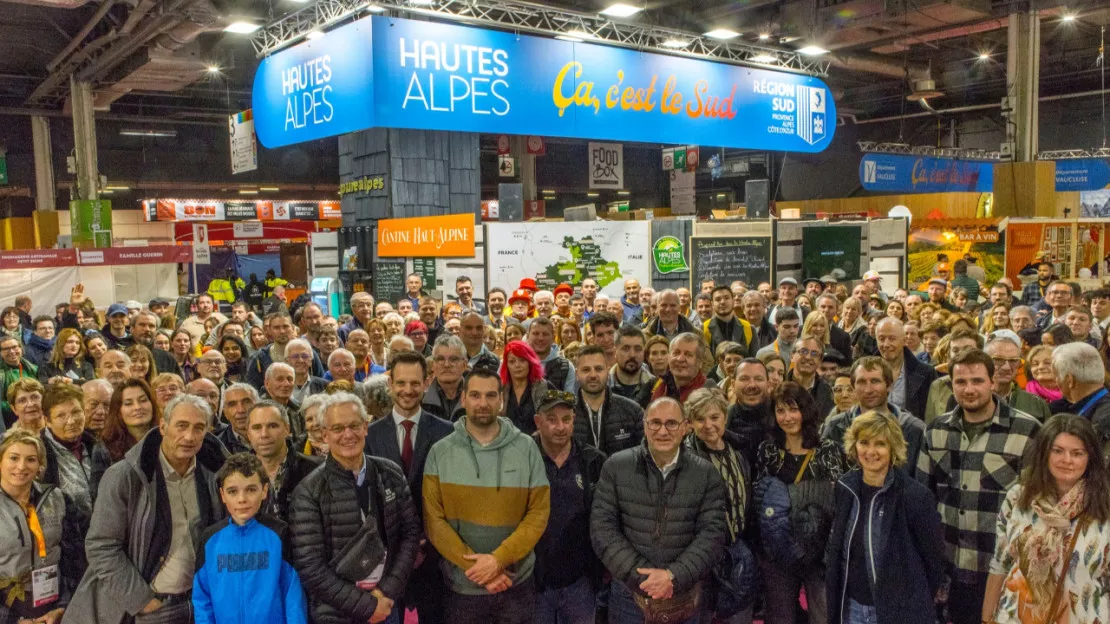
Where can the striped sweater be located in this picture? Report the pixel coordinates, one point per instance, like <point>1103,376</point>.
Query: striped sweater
<point>491,499</point>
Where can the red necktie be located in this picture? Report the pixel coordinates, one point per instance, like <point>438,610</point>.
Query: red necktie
<point>406,445</point>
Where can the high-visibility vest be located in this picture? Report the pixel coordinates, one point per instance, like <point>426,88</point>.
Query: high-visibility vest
<point>220,290</point>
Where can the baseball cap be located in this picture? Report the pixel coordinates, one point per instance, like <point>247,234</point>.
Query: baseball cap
<point>811,280</point>
<point>872,275</point>
<point>134,305</point>
<point>158,301</point>
<point>117,308</point>
<point>788,280</point>
<point>553,398</point>
<point>828,279</point>
<point>939,280</point>
<point>1005,334</point>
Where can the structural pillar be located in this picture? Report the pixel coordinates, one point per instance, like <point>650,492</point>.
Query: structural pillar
<point>1023,70</point>
<point>84,138</point>
<point>45,192</point>
<point>526,166</point>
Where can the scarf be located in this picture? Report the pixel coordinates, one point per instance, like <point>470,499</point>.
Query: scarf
<point>666,386</point>
<point>1033,387</point>
<point>1040,549</point>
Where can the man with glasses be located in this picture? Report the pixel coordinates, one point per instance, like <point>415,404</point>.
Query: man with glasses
<point>404,437</point>
<point>334,505</point>
<point>1004,347</point>
<point>298,353</point>
<point>281,331</point>
<point>1057,298</point>
<point>1022,318</point>
<point>13,367</point>
<point>362,310</point>
<point>443,398</point>
<point>648,559</point>
<point>213,367</point>
<point>871,381</point>
<point>805,361</point>
<point>486,505</point>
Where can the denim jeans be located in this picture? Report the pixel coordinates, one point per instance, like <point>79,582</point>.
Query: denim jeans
<point>856,613</point>
<point>623,609</point>
<point>573,604</point>
<point>965,601</point>
<point>515,605</point>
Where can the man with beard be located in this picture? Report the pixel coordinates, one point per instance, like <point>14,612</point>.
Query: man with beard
<point>725,325</point>
<point>814,287</point>
<point>495,308</point>
<point>115,367</point>
<point>669,322</point>
<point>282,331</point>
<point>486,505</point>
<point>143,329</point>
<point>970,458</point>
<point>405,437</point>
<point>839,339</point>
<point>603,419</point>
<point>749,416</point>
<point>206,308</point>
<point>464,294</point>
<point>429,315</point>
<point>871,379</point>
<point>238,400</point>
<point>628,378</point>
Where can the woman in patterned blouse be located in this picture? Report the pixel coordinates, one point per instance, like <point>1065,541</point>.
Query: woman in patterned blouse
<point>1055,522</point>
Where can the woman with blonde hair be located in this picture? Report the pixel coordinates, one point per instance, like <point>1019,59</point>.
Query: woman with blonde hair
<point>1051,559</point>
<point>142,363</point>
<point>817,326</point>
<point>68,360</point>
<point>997,318</point>
<point>885,555</point>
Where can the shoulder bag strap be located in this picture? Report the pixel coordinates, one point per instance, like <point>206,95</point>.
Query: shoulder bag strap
<point>805,464</point>
<point>1053,610</point>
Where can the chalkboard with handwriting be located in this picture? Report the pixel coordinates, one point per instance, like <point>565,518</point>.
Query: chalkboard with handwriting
<point>725,259</point>
<point>389,281</point>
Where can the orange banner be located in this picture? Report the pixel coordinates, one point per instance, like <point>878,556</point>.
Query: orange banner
<point>448,236</point>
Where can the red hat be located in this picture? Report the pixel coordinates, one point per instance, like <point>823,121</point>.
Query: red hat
<point>415,326</point>
<point>521,294</point>
<point>528,284</point>
<point>564,288</point>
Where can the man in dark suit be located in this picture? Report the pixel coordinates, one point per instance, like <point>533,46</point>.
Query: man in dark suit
<point>405,436</point>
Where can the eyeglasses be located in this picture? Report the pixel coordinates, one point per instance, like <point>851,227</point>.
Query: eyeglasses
<point>298,356</point>
<point>807,352</point>
<point>418,335</point>
<point>671,425</point>
<point>1000,361</point>
<point>353,427</point>
<point>454,360</point>
<point>7,349</point>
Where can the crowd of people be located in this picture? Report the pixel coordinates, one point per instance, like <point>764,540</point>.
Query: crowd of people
<point>820,450</point>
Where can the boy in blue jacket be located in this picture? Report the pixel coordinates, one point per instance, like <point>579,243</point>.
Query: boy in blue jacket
<point>243,574</point>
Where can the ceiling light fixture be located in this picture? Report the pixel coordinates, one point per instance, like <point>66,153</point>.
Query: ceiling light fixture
<point>269,189</point>
<point>675,44</point>
<point>722,34</point>
<point>1068,17</point>
<point>764,36</point>
<point>213,69</point>
<point>373,8</point>
<point>568,38</point>
<point>313,35</point>
<point>247,192</point>
<point>624,192</point>
<point>621,10</point>
<point>146,132</point>
<point>812,50</point>
<point>422,2</point>
<point>984,56</point>
<point>242,27</point>
<point>764,58</point>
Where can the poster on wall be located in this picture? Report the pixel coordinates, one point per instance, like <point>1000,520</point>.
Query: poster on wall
<point>244,147</point>
<point>1094,204</point>
<point>1030,242</point>
<point>606,166</point>
<point>550,253</point>
<point>935,246</point>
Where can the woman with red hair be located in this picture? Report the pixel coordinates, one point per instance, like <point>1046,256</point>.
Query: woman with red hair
<point>522,377</point>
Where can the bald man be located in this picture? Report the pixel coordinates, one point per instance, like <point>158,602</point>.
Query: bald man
<point>633,310</point>
<point>912,377</point>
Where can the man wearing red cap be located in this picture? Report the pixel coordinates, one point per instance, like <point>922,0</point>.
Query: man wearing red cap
<point>563,293</point>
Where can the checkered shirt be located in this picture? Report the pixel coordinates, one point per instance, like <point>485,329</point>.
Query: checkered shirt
<point>970,479</point>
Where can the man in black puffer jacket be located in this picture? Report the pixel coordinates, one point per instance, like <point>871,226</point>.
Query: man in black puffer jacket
<point>658,518</point>
<point>326,518</point>
<point>603,420</point>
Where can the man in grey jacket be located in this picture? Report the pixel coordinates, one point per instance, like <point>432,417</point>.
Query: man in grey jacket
<point>151,507</point>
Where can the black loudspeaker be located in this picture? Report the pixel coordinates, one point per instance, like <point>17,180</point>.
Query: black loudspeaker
<point>757,194</point>
<point>510,197</point>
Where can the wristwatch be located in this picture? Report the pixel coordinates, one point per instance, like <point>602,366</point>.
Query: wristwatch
<point>670,574</point>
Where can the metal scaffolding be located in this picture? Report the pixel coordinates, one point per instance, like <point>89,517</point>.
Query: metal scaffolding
<point>872,147</point>
<point>1101,152</point>
<point>519,16</point>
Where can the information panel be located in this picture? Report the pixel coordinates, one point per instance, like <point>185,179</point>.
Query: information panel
<point>388,281</point>
<point>725,259</point>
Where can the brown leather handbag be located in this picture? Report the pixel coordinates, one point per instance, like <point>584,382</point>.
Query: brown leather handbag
<point>670,610</point>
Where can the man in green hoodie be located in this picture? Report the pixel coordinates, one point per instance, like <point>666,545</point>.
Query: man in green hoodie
<point>486,504</point>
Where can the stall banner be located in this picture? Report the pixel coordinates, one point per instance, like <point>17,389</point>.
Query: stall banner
<point>239,210</point>
<point>1030,242</point>
<point>446,236</point>
<point>91,222</point>
<point>1083,174</point>
<point>244,147</point>
<point>37,258</point>
<point>606,165</point>
<point>930,245</point>
<point>154,254</point>
<point>382,71</point>
<point>898,173</point>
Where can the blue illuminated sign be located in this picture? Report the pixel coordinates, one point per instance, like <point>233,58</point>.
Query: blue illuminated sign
<point>409,74</point>
<point>1085,174</point>
<point>898,173</point>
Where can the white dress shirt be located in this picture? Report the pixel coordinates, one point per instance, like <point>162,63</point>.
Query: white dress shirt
<point>397,420</point>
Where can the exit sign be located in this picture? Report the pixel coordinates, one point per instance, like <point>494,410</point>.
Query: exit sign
<point>3,169</point>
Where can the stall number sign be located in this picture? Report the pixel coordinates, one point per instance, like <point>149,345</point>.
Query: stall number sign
<point>606,166</point>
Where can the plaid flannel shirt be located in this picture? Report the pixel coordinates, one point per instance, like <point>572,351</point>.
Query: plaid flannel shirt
<point>970,479</point>
<point>1031,293</point>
